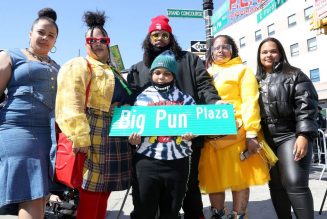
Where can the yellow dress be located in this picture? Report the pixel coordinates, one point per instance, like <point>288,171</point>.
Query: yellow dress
<point>221,168</point>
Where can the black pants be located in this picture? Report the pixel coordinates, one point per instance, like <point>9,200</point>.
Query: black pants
<point>159,183</point>
<point>192,204</point>
<point>289,179</point>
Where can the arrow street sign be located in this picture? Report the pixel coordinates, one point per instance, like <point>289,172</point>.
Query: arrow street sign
<point>272,6</point>
<point>198,46</point>
<point>185,13</point>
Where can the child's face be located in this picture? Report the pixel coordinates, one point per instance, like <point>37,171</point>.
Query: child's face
<point>162,76</point>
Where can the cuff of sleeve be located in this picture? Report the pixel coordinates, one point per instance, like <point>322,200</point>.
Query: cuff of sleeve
<point>306,135</point>
<point>81,141</point>
<point>251,134</point>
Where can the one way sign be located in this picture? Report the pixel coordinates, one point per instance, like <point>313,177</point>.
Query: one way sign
<point>198,46</point>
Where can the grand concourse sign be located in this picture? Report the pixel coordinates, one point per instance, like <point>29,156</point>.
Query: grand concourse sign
<point>173,120</point>
<point>185,13</point>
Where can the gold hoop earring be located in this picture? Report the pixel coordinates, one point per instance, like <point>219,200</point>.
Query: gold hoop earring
<point>55,49</point>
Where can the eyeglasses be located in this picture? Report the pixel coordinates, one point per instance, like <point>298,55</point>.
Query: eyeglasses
<point>102,40</point>
<point>155,36</point>
<point>222,47</point>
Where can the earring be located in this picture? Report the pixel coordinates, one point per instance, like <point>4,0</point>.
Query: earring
<point>55,49</point>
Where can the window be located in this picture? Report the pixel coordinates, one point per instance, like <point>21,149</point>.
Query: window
<point>307,12</point>
<point>315,75</point>
<point>258,35</point>
<point>242,42</point>
<point>291,20</point>
<point>295,49</point>
<point>312,44</point>
<point>271,29</point>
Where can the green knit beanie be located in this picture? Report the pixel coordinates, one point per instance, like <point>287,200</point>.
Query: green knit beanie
<point>165,60</point>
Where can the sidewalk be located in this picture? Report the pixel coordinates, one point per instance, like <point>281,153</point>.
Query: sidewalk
<point>260,205</point>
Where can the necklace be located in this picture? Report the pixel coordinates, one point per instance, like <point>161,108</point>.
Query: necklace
<point>39,57</point>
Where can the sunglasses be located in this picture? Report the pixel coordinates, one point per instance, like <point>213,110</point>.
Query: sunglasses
<point>222,47</point>
<point>155,36</point>
<point>102,40</point>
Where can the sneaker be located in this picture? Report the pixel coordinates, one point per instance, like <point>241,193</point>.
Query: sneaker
<point>234,215</point>
<point>218,214</point>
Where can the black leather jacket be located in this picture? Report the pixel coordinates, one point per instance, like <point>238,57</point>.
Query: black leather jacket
<point>192,78</point>
<point>289,99</point>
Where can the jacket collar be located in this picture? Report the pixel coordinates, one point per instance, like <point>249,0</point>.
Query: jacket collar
<point>95,62</point>
<point>234,61</point>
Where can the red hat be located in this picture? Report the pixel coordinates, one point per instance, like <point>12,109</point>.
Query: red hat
<point>159,23</point>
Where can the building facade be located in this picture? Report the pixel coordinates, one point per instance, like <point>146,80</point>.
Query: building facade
<point>289,23</point>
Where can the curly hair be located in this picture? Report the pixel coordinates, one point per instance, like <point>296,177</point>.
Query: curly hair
<point>151,52</point>
<point>95,19</point>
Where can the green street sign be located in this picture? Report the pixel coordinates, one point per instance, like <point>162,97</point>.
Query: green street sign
<point>173,120</point>
<point>272,6</point>
<point>185,13</point>
<point>219,24</point>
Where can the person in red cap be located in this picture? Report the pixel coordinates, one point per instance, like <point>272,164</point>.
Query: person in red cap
<point>191,78</point>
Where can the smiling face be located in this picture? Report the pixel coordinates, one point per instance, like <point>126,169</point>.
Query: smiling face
<point>162,76</point>
<point>97,49</point>
<point>43,37</point>
<point>221,51</point>
<point>269,54</point>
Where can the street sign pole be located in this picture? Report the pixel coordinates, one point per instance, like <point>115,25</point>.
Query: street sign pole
<point>206,14</point>
<point>207,9</point>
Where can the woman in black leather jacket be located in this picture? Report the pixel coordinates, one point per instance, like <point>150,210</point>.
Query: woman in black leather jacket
<point>288,104</point>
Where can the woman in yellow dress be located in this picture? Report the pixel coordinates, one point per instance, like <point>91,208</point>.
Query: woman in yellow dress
<point>222,165</point>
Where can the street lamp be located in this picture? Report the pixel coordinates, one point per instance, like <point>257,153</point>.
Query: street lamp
<point>207,10</point>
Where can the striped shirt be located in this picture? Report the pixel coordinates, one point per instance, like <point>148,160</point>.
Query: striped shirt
<point>164,147</point>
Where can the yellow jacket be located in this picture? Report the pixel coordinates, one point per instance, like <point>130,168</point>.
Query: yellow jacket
<point>73,79</point>
<point>237,84</point>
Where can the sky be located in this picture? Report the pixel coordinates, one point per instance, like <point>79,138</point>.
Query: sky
<point>127,24</point>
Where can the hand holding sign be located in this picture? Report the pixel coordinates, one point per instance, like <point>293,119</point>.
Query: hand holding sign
<point>174,120</point>
<point>134,139</point>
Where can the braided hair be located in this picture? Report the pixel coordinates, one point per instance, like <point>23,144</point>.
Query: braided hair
<point>95,20</point>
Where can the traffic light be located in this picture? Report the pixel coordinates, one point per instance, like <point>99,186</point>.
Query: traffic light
<point>207,5</point>
<point>318,24</point>
<point>323,24</point>
<point>314,22</point>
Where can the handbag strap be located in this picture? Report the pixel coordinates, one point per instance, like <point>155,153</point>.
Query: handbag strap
<point>121,80</point>
<point>89,84</point>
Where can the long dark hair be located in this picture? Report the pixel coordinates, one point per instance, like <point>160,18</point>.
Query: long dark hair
<point>283,61</point>
<point>151,52</point>
<point>230,41</point>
